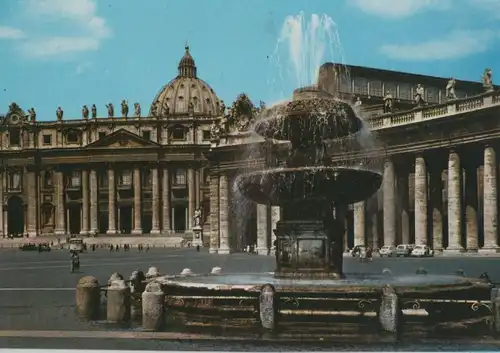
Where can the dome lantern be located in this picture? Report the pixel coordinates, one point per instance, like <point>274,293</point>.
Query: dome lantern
<point>187,67</point>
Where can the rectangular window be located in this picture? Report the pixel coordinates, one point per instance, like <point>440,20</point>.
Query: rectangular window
<point>15,137</point>
<point>126,177</point>
<point>146,135</point>
<point>206,135</point>
<point>47,139</point>
<point>180,177</point>
<point>103,178</point>
<point>178,133</point>
<point>14,181</point>
<point>75,179</point>
<point>72,137</point>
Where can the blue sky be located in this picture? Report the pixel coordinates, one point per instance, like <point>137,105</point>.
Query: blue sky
<point>73,52</point>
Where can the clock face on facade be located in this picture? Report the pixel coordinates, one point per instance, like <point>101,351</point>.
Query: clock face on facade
<point>15,119</point>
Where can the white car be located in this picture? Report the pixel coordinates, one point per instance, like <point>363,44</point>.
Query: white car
<point>387,250</point>
<point>422,251</point>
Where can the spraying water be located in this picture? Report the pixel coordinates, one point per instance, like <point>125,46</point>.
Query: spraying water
<point>303,45</point>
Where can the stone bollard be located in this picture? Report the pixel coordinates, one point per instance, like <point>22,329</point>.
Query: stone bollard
<point>118,310</point>
<point>216,270</point>
<point>88,298</point>
<point>186,272</point>
<point>421,271</point>
<point>153,304</point>
<point>137,286</point>
<point>152,272</point>
<point>267,307</point>
<point>495,308</point>
<point>115,276</point>
<point>390,314</point>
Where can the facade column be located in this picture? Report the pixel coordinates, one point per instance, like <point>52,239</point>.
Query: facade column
<point>454,203</point>
<point>263,225</point>
<point>85,203</point>
<point>490,199</point>
<point>3,230</point>
<point>223,214</point>
<point>404,199</point>
<point>420,201</point>
<point>137,202</point>
<point>197,191</point>
<point>389,204</point>
<point>60,212</point>
<point>275,218</point>
<point>155,229</point>
<point>31,225</point>
<point>359,224</point>
<point>191,196</point>
<point>165,192</point>
<point>214,214</point>
<point>436,190</point>
<point>471,206</point>
<point>94,192</point>
<point>111,202</point>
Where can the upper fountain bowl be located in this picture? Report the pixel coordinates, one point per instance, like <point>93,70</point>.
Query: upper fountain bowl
<point>312,116</point>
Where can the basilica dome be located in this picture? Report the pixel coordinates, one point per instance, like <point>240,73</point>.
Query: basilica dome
<point>175,97</point>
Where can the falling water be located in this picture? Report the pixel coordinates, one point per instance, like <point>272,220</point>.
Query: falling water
<point>303,45</point>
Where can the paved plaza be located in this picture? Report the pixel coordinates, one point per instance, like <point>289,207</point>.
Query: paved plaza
<point>37,289</point>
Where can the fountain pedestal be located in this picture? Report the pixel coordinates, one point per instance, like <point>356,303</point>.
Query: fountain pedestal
<point>197,236</point>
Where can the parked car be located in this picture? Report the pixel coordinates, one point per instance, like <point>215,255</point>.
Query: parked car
<point>387,250</point>
<point>404,250</point>
<point>422,251</point>
<point>34,247</point>
<point>357,250</point>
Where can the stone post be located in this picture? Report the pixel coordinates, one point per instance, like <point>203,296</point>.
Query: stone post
<point>454,203</point>
<point>389,204</point>
<point>137,203</point>
<point>263,223</point>
<point>436,190</point>
<point>191,196</point>
<point>118,310</point>
<point>155,229</point>
<point>165,192</point>
<point>267,307</point>
<point>111,202</point>
<point>471,205</point>
<point>490,206</point>
<point>93,202</point>
<point>214,214</point>
<point>495,308</point>
<point>2,230</point>
<point>60,209</point>
<point>153,306</point>
<point>88,298</point>
<point>359,224</point>
<point>420,201</point>
<point>224,213</point>
<point>32,203</point>
<point>85,203</point>
<point>390,314</point>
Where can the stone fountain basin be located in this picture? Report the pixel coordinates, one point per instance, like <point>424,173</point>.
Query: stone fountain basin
<point>280,186</point>
<point>309,120</point>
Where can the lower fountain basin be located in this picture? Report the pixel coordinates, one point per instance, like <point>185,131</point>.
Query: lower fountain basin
<point>279,186</point>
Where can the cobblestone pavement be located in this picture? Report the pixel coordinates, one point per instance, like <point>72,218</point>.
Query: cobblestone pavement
<point>37,290</point>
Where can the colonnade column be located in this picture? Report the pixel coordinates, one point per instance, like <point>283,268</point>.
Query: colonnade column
<point>263,225</point>
<point>275,218</point>
<point>85,203</point>
<point>165,192</point>
<point>60,212</point>
<point>389,204</point>
<point>111,202</point>
<point>155,227</point>
<point>31,225</point>
<point>436,197</point>
<point>191,196</point>
<point>223,214</point>
<point>214,214</point>
<point>2,230</point>
<point>359,223</point>
<point>137,203</point>
<point>420,201</point>
<point>404,202</point>
<point>471,205</point>
<point>454,203</point>
<point>490,206</point>
<point>93,202</point>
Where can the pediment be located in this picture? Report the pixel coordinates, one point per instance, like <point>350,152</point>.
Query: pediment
<point>122,139</point>
<point>14,117</point>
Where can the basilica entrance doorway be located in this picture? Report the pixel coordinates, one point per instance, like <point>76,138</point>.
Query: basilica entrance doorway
<point>15,216</point>
<point>126,219</point>
<point>180,218</point>
<point>103,222</point>
<point>74,218</point>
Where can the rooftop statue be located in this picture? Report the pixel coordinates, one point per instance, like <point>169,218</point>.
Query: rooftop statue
<point>419,95</point>
<point>59,113</point>
<point>450,89</point>
<point>124,105</point>
<point>85,112</point>
<point>388,102</point>
<point>190,107</point>
<point>32,114</point>
<point>488,80</point>
<point>111,110</point>
<point>222,111</point>
<point>137,110</point>
<point>94,111</point>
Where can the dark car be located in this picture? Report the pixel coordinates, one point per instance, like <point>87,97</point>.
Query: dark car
<point>35,247</point>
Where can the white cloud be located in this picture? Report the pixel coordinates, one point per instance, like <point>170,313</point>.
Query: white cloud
<point>455,45</point>
<point>80,15</point>
<point>7,32</point>
<point>492,6</point>
<point>398,8</point>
